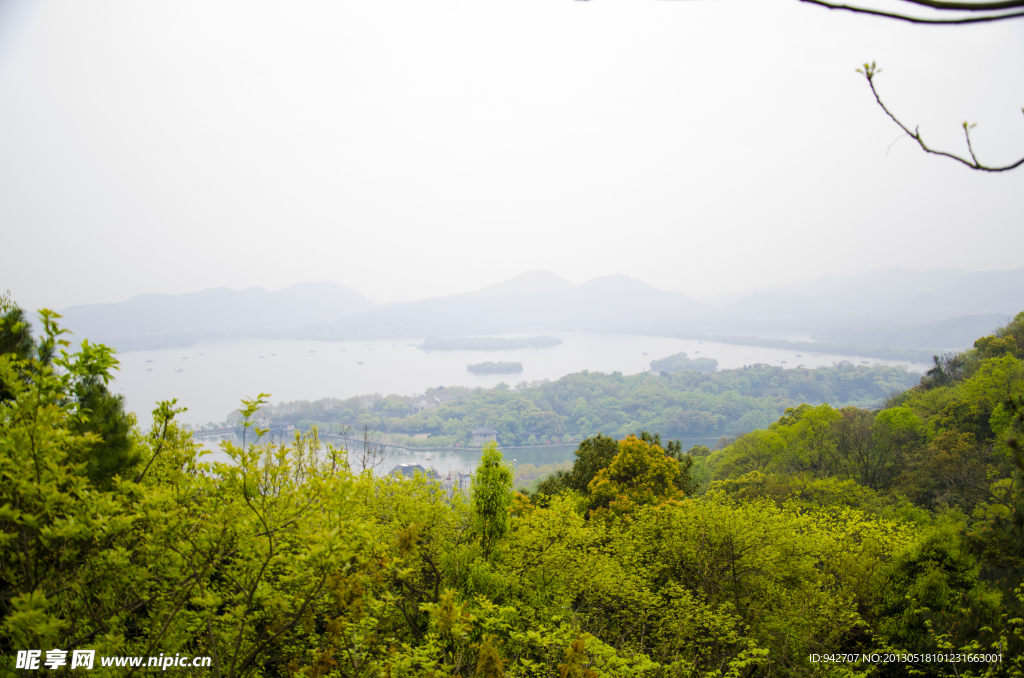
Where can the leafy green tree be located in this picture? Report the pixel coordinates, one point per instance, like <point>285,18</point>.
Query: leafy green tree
<point>950,470</point>
<point>762,451</point>
<point>509,430</point>
<point>592,455</point>
<point>395,406</point>
<point>810,432</point>
<point>95,410</point>
<point>995,346</point>
<point>15,330</point>
<point>640,474</point>
<point>16,341</point>
<point>116,453</point>
<point>929,582</point>
<point>76,564</point>
<point>871,447</point>
<point>947,369</point>
<point>1000,539</point>
<point>491,497</point>
<point>56,532</point>
<point>1007,339</point>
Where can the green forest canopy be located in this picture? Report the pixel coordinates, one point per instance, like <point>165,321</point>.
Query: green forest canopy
<point>834,542</point>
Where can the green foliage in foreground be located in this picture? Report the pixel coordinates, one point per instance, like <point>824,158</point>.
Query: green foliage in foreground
<point>832,532</point>
<point>687,404</point>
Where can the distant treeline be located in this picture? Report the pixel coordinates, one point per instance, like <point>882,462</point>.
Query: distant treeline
<point>921,355</point>
<point>495,368</point>
<point>686,404</point>
<point>487,343</point>
<point>952,333</point>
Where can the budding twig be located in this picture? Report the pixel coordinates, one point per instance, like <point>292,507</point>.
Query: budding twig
<point>871,70</point>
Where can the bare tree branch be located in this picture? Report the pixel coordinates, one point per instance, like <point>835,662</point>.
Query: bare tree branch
<point>871,70</point>
<point>969,7</point>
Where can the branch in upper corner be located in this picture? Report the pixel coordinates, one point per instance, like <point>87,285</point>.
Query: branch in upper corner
<point>968,6</point>
<point>871,70</point>
<point>985,18</point>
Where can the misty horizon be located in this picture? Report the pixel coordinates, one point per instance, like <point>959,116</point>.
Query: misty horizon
<point>719,297</point>
<point>411,151</point>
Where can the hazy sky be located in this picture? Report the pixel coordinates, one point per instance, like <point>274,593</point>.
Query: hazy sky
<point>411,148</point>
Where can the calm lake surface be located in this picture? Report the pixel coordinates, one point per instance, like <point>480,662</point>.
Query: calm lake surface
<point>461,460</point>
<point>211,378</point>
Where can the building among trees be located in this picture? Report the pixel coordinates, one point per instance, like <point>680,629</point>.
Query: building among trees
<point>430,402</point>
<point>410,470</point>
<point>483,435</point>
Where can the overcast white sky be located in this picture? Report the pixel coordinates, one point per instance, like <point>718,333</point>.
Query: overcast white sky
<point>411,148</point>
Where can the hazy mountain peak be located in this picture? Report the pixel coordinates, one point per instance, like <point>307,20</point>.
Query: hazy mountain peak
<point>531,282</point>
<point>618,281</point>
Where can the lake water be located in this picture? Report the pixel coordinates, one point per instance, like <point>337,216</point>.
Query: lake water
<point>211,378</point>
<point>463,460</point>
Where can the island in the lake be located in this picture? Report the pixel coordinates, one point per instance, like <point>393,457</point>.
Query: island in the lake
<point>487,343</point>
<point>679,362</point>
<point>495,368</point>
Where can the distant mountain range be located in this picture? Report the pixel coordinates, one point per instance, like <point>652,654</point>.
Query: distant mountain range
<point>164,320</point>
<point>929,309</point>
<point>885,294</point>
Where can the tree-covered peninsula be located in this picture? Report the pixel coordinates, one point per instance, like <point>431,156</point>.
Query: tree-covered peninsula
<point>686,404</point>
